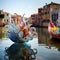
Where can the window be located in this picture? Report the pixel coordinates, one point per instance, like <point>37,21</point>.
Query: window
<point>48,12</point>
<point>1,15</point>
<point>54,16</point>
<point>45,12</point>
<point>7,20</point>
<point>7,14</point>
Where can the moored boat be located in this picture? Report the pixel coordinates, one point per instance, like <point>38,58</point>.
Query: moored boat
<point>53,30</point>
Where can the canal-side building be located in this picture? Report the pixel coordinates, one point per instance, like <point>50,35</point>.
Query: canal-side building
<point>15,18</point>
<point>1,17</point>
<point>7,17</point>
<point>34,19</point>
<point>45,13</point>
<point>56,16</point>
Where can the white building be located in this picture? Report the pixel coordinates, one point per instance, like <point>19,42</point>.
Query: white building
<point>55,16</point>
<point>7,18</point>
<point>58,17</point>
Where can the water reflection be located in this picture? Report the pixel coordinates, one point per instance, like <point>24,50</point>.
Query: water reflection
<point>48,48</point>
<point>43,35</point>
<point>45,39</point>
<point>55,43</point>
<point>2,32</point>
<point>21,51</point>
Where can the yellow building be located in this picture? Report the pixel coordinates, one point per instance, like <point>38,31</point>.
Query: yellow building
<point>6,17</point>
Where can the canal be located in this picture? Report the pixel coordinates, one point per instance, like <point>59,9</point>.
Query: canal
<point>47,49</point>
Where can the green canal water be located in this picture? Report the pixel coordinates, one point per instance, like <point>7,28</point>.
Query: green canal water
<point>47,48</point>
<point>2,32</point>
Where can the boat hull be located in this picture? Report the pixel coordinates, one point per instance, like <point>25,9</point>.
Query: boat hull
<point>55,35</point>
<point>53,30</point>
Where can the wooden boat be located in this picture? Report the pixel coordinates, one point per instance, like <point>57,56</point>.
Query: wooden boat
<point>53,30</point>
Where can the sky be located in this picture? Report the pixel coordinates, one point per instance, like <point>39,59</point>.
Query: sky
<point>26,7</point>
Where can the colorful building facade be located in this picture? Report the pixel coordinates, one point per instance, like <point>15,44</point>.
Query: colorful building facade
<point>45,12</point>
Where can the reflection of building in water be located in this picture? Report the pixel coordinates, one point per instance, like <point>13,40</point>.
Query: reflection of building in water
<point>43,35</point>
<point>2,32</point>
<point>21,51</point>
<point>54,43</point>
<point>45,39</point>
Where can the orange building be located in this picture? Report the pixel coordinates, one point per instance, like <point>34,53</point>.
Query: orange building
<point>16,18</point>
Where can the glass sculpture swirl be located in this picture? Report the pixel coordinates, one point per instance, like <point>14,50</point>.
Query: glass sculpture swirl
<point>21,32</point>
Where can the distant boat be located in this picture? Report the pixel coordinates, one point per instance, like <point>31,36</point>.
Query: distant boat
<point>53,30</point>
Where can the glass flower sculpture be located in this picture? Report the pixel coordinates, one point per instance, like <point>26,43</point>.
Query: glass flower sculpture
<point>20,32</point>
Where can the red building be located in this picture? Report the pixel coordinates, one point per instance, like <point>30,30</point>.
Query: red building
<point>34,19</point>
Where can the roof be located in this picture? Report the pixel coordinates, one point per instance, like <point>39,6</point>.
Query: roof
<point>52,3</point>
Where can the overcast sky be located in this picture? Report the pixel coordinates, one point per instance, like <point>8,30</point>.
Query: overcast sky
<point>24,6</point>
